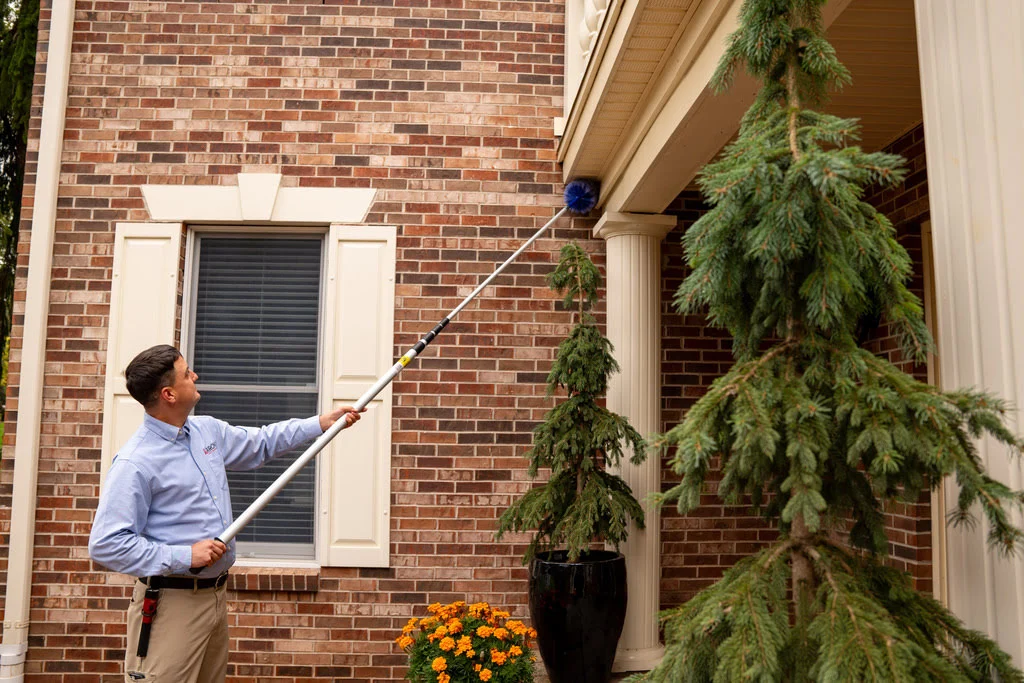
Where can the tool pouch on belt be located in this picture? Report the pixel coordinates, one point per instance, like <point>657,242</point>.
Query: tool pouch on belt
<point>148,612</point>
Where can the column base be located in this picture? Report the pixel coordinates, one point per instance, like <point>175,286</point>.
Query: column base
<point>640,659</point>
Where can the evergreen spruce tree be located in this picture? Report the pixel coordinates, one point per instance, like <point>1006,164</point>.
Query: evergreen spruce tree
<point>817,431</point>
<point>581,503</point>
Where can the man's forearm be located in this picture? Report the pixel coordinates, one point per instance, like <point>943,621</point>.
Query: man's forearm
<point>250,447</point>
<point>136,556</point>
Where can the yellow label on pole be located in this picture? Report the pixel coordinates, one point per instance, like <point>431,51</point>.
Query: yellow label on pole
<point>404,360</point>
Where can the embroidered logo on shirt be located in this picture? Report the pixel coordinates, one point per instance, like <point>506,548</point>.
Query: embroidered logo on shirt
<point>210,449</point>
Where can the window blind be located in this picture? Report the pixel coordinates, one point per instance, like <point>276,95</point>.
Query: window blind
<point>255,347</point>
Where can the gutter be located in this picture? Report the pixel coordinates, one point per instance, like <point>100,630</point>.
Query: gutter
<point>26,448</point>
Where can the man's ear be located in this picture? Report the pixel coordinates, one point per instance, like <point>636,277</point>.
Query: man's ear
<point>168,395</point>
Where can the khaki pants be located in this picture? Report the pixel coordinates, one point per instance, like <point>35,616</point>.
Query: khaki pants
<point>188,642</point>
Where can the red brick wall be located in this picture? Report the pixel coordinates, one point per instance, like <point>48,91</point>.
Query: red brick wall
<point>447,109</point>
<point>699,547</point>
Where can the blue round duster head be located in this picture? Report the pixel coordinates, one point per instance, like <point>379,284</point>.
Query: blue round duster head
<point>581,195</point>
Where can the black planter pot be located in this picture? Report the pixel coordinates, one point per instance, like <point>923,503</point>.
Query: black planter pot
<point>578,609</point>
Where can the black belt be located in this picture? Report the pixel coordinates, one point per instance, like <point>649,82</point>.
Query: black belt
<point>159,582</point>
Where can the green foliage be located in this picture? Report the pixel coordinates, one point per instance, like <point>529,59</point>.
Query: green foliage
<point>793,262</point>
<point>20,19</point>
<point>789,245</point>
<point>820,426</point>
<point>869,625</point>
<point>581,502</point>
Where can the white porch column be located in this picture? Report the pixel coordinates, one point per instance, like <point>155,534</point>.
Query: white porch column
<point>972,70</point>
<point>634,328</point>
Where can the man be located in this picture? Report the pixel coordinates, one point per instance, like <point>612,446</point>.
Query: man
<point>165,500</point>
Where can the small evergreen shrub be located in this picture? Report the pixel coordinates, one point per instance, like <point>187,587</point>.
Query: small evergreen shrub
<point>581,503</point>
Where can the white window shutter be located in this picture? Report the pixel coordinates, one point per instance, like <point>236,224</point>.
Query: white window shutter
<point>143,296</point>
<point>355,468</point>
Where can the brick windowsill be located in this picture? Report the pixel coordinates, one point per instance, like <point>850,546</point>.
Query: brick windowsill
<point>274,579</point>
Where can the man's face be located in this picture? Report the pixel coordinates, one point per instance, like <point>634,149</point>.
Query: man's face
<point>185,384</point>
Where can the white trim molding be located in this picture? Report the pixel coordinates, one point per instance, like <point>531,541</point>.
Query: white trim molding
<point>258,197</point>
<point>634,329</point>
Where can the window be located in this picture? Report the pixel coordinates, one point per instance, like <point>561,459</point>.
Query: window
<point>349,276</point>
<point>255,337</point>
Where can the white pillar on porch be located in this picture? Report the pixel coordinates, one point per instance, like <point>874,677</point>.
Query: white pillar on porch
<point>972,74</point>
<point>634,328</point>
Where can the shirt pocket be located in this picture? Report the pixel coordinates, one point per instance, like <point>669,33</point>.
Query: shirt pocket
<point>219,475</point>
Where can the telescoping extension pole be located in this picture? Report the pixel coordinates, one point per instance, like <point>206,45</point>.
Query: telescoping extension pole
<point>580,198</point>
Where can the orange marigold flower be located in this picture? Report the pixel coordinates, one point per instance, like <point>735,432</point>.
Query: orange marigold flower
<point>439,664</point>
<point>404,642</point>
<point>428,622</point>
<point>477,667</point>
<point>500,633</point>
<point>485,675</point>
<point>470,654</point>
<point>501,614</point>
<point>517,627</point>
<point>443,678</point>
<point>499,657</point>
<point>464,644</point>
<point>532,633</point>
<point>515,651</point>
<point>440,631</point>
<point>434,608</point>
<point>484,631</point>
<point>447,644</point>
<point>454,626</point>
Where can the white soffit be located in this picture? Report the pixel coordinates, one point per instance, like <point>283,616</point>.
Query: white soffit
<point>258,197</point>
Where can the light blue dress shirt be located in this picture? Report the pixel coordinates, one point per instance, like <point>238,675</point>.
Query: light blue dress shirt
<point>167,488</point>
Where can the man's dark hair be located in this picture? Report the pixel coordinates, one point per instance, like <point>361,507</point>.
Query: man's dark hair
<point>151,371</point>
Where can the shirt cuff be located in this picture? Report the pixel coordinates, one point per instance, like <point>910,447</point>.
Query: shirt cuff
<point>311,427</point>
<point>181,559</point>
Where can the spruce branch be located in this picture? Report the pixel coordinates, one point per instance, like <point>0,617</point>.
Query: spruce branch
<point>867,624</point>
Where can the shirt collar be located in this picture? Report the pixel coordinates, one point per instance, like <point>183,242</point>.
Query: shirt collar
<point>165,431</point>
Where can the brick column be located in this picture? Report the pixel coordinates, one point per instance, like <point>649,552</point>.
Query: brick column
<point>634,328</point>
